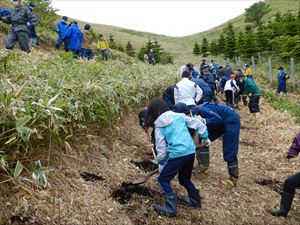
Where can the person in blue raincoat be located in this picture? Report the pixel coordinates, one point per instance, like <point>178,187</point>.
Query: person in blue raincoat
<point>75,36</point>
<point>282,77</point>
<point>223,121</point>
<point>207,95</point>
<point>208,77</point>
<point>5,12</point>
<point>31,25</point>
<point>61,28</point>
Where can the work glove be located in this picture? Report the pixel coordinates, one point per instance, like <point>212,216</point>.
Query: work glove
<point>206,142</point>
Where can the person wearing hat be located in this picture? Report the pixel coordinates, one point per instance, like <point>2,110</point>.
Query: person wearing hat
<point>87,41</point>
<point>103,47</point>
<point>75,35</point>
<point>61,28</point>
<point>187,91</point>
<point>282,77</point>
<point>19,32</point>
<point>223,121</point>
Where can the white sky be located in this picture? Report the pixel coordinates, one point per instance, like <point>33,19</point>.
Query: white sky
<point>169,17</point>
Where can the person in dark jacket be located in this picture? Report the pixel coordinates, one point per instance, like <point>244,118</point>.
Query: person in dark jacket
<point>209,78</point>
<point>223,121</point>
<point>290,184</point>
<point>168,96</point>
<point>31,25</point>
<point>282,77</point>
<point>75,36</point>
<point>208,95</point>
<point>18,19</point>
<point>61,28</point>
<point>87,41</point>
<point>151,57</point>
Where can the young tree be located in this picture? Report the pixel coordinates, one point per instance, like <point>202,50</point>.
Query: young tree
<point>255,13</point>
<point>204,47</point>
<point>196,49</point>
<point>240,44</point>
<point>129,49</point>
<point>221,44</point>
<point>214,50</point>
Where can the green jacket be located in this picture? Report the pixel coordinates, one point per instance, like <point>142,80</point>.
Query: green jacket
<point>251,87</point>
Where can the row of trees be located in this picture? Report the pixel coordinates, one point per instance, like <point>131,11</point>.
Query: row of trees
<point>279,36</point>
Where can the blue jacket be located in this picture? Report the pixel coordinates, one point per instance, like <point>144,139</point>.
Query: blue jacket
<point>61,28</point>
<point>207,92</point>
<point>281,77</point>
<point>172,137</point>
<point>5,12</point>
<point>75,36</point>
<point>217,114</point>
<point>209,78</point>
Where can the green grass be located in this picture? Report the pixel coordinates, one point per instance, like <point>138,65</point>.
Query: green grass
<point>282,104</point>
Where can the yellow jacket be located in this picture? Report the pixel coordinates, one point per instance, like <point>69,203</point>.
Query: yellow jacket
<point>102,44</point>
<point>248,72</point>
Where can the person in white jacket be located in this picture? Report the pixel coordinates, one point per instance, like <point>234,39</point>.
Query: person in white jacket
<point>187,91</point>
<point>231,89</point>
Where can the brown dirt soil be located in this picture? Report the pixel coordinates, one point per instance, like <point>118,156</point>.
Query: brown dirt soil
<point>88,183</point>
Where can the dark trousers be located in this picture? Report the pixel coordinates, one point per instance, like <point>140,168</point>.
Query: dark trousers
<point>229,97</point>
<point>182,166</point>
<point>281,88</point>
<point>292,183</point>
<point>254,104</point>
<point>21,36</point>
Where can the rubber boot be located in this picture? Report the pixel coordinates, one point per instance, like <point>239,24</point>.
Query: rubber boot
<point>202,155</point>
<point>285,205</point>
<point>233,171</point>
<point>169,208</point>
<point>193,199</point>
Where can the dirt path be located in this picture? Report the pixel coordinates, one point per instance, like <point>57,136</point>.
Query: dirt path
<point>86,187</point>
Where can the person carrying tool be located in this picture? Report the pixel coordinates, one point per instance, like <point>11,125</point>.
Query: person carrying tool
<point>175,153</point>
<point>290,184</point>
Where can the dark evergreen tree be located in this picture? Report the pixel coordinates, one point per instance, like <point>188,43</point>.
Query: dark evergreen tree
<point>214,50</point>
<point>250,48</point>
<point>129,49</point>
<point>204,47</point>
<point>221,44</point>
<point>196,49</point>
<point>230,47</point>
<point>240,44</point>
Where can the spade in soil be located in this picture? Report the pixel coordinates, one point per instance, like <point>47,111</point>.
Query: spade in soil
<point>143,180</point>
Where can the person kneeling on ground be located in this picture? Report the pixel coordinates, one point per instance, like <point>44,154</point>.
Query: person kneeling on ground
<point>290,184</point>
<point>176,153</point>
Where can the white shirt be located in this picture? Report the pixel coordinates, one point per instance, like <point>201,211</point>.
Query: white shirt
<point>230,85</point>
<point>187,92</point>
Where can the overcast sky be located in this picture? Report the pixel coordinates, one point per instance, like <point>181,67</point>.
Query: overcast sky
<point>169,17</point>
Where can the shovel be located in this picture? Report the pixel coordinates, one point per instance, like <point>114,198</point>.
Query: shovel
<point>143,180</point>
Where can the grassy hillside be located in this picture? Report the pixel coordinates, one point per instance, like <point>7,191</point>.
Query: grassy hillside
<point>238,23</point>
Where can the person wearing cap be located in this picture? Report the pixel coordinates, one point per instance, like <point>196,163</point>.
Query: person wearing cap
<point>282,77</point>
<point>187,91</point>
<point>103,47</point>
<point>75,36</point>
<point>18,18</point>
<point>290,184</point>
<point>61,28</point>
<point>248,71</point>
<point>221,121</point>
<point>87,41</point>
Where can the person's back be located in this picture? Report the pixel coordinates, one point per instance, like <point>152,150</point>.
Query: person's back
<point>251,87</point>
<point>102,44</point>
<point>186,91</point>
<point>19,18</point>
<point>87,39</point>
<point>207,92</point>
<point>168,96</point>
<point>75,38</point>
<point>61,28</point>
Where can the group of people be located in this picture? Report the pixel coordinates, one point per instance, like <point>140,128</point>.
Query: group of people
<point>23,21</point>
<point>78,42</point>
<point>184,123</point>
